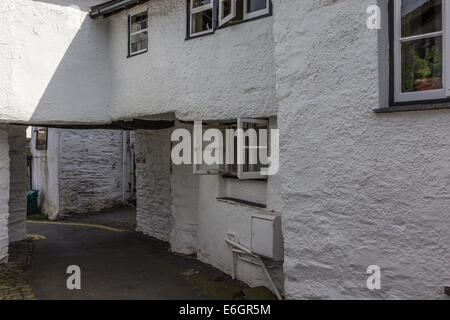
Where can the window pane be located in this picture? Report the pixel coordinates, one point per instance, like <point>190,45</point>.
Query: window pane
<point>421,16</point>
<point>256,5</point>
<point>226,8</point>
<point>249,148</point>
<point>202,21</point>
<point>422,65</point>
<point>199,3</point>
<point>138,22</point>
<point>138,42</point>
<point>41,139</point>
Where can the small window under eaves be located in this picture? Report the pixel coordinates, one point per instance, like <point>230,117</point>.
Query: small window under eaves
<point>138,33</point>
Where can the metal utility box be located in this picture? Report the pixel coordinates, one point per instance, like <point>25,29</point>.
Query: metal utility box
<point>267,237</point>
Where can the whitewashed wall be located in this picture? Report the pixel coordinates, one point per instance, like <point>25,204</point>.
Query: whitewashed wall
<point>220,76</point>
<point>81,171</point>
<point>74,69</point>
<point>358,188</point>
<point>54,62</point>
<point>176,206</point>
<point>18,184</point>
<point>90,170</point>
<point>153,183</point>
<point>45,172</point>
<point>4,193</point>
<point>184,187</point>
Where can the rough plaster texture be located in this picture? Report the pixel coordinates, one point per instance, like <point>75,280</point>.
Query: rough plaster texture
<point>358,188</point>
<point>45,172</point>
<point>4,192</point>
<point>216,218</point>
<point>81,171</point>
<point>90,170</point>
<point>74,69</point>
<point>184,199</point>
<point>153,216</point>
<point>220,76</point>
<point>18,184</point>
<point>176,206</point>
<point>48,52</point>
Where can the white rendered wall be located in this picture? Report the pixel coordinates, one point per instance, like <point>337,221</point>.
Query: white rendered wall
<point>220,76</point>
<point>18,183</point>
<point>153,216</point>
<point>90,170</point>
<point>4,192</point>
<point>54,63</point>
<point>216,219</point>
<point>358,188</point>
<point>176,206</point>
<point>45,172</point>
<point>81,171</point>
<point>58,65</point>
<point>184,187</point>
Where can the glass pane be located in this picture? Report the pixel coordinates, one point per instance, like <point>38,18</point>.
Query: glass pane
<point>421,16</point>
<point>226,8</point>
<point>139,22</point>
<point>41,139</point>
<point>256,5</point>
<point>138,42</point>
<point>202,21</point>
<point>199,3</point>
<point>239,11</point>
<point>422,65</point>
<point>253,167</point>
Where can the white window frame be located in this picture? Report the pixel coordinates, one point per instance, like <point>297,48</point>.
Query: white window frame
<point>232,14</point>
<point>221,169</point>
<point>242,175</point>
<point>255,14</point>
<point>192,11</point>
<point>131,53</point>
<point>398,40</point>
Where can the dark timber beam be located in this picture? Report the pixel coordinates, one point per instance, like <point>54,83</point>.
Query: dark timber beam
<point>116,125</point>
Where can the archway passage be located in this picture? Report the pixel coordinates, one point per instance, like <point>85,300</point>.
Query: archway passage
<point>115,262</point>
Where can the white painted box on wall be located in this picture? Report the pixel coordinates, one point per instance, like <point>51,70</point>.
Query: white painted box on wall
<point>267,236</point>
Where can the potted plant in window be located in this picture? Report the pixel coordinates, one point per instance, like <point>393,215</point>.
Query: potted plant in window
<point>429,69</point>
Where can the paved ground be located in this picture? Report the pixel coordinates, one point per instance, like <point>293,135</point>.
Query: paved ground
<point>15,275</point>
<point>119,265</point>
<point>124,218</point>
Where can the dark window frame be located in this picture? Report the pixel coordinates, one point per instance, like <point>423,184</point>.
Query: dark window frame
<point>41,145</point>
<point>413,105</point>
<point>215,19</point>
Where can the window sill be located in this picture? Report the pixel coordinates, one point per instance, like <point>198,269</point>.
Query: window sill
<point>230,176</point>
<point>136,54</point>
<point>416,106</point>
<point>243,202</point>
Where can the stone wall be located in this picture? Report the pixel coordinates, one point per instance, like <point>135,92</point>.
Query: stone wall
<point>45,172</point>
<point>4,192</point>
<point>18,183</point>
<point>358,188</point>
<point>177,206</point>
<point>153,183</point>
<point>90,170</point>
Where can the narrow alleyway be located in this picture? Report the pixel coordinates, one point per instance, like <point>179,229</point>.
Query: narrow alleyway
<point>118,264</point>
